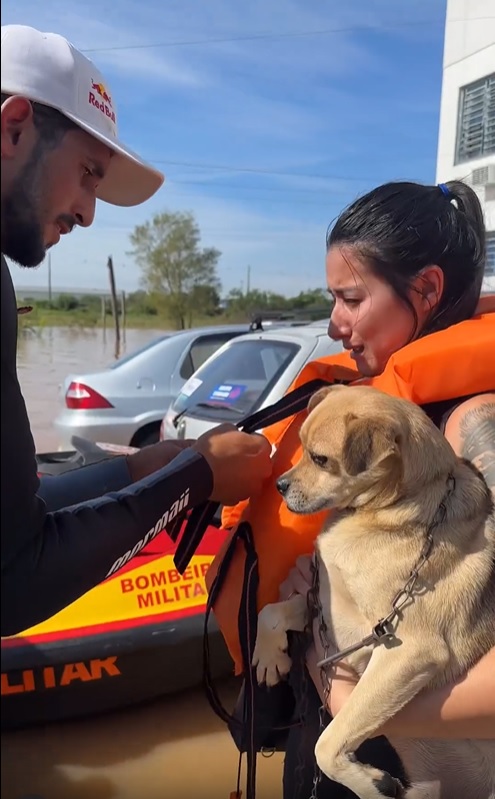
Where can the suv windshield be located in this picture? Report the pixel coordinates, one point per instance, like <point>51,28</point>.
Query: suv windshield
<point>236,381</point>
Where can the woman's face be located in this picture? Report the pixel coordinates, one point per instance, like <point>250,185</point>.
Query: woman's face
<point>368,317</point>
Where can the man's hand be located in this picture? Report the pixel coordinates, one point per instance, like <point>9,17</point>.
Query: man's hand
<point>155,456</point>
<point>240,462</point>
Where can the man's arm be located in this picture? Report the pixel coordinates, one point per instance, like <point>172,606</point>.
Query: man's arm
<point>110,474</point>
<point>84,483</point>
<point>51,559</point>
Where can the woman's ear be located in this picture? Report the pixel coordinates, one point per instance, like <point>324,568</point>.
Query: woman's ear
<point>429,284</point>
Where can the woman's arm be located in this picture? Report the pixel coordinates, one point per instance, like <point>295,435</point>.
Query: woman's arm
<point>466,708</point>
<point>471,432</point>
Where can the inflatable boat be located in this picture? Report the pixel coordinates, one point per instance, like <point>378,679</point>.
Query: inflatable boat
<point>133,638</point>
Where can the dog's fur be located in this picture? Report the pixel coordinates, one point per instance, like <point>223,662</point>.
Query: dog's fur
<point>383,466</point>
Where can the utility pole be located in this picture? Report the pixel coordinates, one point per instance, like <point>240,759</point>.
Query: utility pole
<point>49,278</point>
<point>248,280</point>
<point>115,306</point>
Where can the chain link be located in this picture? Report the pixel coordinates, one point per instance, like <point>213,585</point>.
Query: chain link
<point>385,628</point>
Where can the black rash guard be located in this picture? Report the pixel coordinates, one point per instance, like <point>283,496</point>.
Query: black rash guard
<point>61,536</point>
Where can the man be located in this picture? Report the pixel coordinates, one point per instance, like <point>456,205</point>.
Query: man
<point>63,535</point>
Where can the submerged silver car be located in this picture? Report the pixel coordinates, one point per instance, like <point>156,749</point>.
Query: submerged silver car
<point>246,374</point>
<point>125,403</point>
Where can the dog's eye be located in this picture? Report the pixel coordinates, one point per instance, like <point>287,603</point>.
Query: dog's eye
<point>319,460</point>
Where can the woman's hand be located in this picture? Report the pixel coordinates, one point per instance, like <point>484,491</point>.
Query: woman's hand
<point>299,579</point>
<point>342,678</point>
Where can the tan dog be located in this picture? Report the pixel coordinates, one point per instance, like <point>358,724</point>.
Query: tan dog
<point>386,469</point>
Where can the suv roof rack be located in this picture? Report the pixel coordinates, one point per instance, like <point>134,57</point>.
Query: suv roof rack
<point>292,318</point>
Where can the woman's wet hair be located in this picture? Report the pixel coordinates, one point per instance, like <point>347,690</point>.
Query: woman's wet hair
<point>399,229</point>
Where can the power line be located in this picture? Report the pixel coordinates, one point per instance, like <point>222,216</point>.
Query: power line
<point>263,171</point>
<point>273,35</point>
<point>296,197</point>
<point>287,35</point>
<point>274,189</point>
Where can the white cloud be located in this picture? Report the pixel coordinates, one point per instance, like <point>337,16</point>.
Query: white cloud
<point>86,27</point>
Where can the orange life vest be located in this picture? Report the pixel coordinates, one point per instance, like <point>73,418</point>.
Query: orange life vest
<point>453,363</point>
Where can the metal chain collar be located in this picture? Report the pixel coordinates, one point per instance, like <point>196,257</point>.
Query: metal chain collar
<point>385,628</point>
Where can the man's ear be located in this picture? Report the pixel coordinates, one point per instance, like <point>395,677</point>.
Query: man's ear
<point>16,119</point>
<point>370,443</point>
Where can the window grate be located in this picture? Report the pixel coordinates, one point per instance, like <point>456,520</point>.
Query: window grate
<point>476,122</point>
<point>490,254</point>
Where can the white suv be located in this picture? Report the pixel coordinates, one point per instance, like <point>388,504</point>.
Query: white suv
<point>248,373</point>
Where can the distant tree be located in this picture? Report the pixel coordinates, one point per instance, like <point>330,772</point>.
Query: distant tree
<point>66,302</point>
<point>255,300</point>
<point>312,298</point>
<point>206,299</point>
<point>173,264</point>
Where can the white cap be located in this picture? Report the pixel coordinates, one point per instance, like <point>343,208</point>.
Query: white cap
<point>46,68</point>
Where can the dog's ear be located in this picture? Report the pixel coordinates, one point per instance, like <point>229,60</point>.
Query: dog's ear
<point>318,397</point>
<point>370,443</point>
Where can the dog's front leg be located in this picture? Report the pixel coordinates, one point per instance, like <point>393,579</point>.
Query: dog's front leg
<point>270,653</point>
<point>394,675</point>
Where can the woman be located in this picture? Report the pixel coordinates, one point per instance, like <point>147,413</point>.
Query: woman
<point>403,261</point>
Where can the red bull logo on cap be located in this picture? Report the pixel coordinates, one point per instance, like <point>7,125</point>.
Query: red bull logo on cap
<point>100,99</point>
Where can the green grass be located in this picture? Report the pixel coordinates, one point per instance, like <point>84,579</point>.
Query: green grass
<point>52,317</point>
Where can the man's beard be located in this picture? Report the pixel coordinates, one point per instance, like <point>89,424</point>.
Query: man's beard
<point>22,231</point>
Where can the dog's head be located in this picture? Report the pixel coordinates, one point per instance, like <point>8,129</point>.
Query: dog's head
<point>361,446</point>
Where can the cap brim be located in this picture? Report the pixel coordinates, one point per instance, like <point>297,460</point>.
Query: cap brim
<point>129,180</point>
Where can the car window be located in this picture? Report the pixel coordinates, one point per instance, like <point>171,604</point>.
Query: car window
<point>200,351</point>
<point>131,355</point>
<point>237,380</point>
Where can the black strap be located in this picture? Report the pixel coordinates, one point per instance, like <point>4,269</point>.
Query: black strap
<point>212,598</point>
<point>248,626</point>
<point>173,529</point>
<point>199,519</point>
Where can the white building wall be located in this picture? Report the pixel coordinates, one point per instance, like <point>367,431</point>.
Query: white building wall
<point>469,55</point>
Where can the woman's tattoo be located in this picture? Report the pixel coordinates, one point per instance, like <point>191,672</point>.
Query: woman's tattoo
<point>477,431</point>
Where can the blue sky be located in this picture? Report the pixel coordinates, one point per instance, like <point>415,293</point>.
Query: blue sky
<point>262,134</point>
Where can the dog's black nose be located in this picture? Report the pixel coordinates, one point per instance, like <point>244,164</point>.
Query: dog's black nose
<point>283,485</point>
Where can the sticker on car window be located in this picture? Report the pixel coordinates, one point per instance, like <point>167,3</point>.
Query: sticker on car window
<point>190,386</point>
<point>227,392</point>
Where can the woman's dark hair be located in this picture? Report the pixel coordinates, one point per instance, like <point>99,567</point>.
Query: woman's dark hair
<point>50,123</point>
<point>401,228</point>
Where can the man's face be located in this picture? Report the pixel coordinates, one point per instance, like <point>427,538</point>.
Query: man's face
<point>50,189</point>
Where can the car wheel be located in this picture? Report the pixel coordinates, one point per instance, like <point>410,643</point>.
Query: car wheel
<point>146,437</point>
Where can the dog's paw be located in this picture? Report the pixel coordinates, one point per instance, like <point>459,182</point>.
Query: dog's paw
<point>364,780</point>
<point>387,785</point>
<point>270,659</point>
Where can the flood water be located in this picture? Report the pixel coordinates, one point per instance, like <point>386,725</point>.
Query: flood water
<point>45,356</point>
<point>175,748</point>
